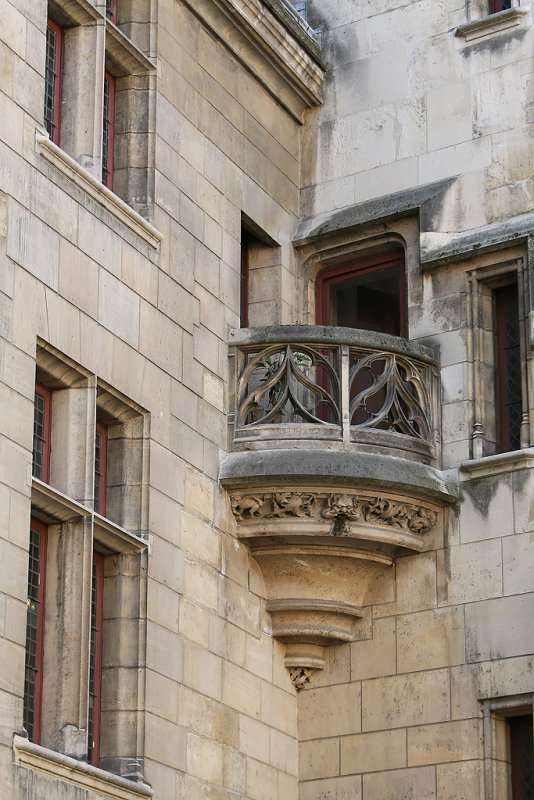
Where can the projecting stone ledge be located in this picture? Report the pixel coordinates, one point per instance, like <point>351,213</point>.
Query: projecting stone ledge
<point>341,468</point>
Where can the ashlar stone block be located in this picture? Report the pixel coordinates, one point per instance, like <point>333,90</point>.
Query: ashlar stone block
<point>430,639</point>
<point>349,788</point>
<point>413,699</point>
<point>469,572</point>
<point>373,752</point>
<point>375,657</point>
<point>449,741</point>
<point>329,711</point>
<point>318,758</point>
<point>499,628</point>
<point>399,784</point>
<point>518,563</point>
<point>460,781</point>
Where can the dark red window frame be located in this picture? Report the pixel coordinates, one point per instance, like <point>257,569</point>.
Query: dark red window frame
<point>111,10</point>
<point>101,452</point>
<point>53,81</point>
<point>42,434</point>
<point>95,660</point>
<point>500,5</point>
<point>33,681</point>
<point>508,367</point>
<point>339,274</point>
<point>108,130</point>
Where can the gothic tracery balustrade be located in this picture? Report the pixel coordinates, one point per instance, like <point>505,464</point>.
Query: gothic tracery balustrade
<point>316,382</point>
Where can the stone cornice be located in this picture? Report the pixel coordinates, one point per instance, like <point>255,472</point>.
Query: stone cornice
<point>270,50</point>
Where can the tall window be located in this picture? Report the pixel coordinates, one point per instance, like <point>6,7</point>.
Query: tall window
<point>41,433</point>
<point>108,130</point>
<point>101,442</point>
<point>508,367</point>
<point>52,80</point>
<point>368,294</point>
<point>95,660</point>
<point>33,675</point>
<point>244,287</point>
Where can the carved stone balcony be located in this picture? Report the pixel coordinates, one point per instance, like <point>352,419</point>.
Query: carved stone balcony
<point>335,441</point>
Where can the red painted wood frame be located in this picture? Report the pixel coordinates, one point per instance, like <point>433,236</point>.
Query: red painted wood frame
<point>499,5</point>
<point>56,104</point>
<point>42,530</point>
<point>101,469</point>
<point>245,244</point>
<point>111,10</point>
<point>95,681</point>
<point>108,130</point>
<point>46,395</point>
<point>354,269</point>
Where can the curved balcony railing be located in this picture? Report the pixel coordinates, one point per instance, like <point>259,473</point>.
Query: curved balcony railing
<point>325,385</point>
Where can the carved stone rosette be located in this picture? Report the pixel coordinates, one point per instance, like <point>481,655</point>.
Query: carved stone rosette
<point>324,555</point>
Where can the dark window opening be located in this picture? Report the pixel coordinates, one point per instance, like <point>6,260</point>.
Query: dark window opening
<point>101,438</point>
<point>41,434</point>
<point>33,666</point>
<point>95,660</point>
<point>244,283</point>
<point>522,757</point>
<point>52,80</point>
<point>370,294</point>
<point>508,367</point>
<point>108,130</point>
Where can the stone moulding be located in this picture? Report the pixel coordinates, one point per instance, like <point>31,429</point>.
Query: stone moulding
<point>77,773</point>
<point>341,509</point>
<point>267,48</point>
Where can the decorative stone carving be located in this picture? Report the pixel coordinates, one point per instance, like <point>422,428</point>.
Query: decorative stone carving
<point>375,510</point>
<point>300,677</point>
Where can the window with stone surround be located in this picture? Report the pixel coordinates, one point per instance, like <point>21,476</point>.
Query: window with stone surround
<point>41,433</point>
<point>103,120</point>
<point>508,747</point>
<point>498,342</point>
<point>260,267</point>
<point>369,293</point>
<point>33,662</point>
<point>87,568</point>
<point>52,101</point>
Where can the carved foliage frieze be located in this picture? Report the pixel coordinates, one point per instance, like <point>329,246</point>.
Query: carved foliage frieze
<point>339,507</point>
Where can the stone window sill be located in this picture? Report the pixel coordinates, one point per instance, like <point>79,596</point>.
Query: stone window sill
<point>77,773</point>
<point>494,23</point>
<point>52,506</point>
<point>95,189</point>
<point>497,464</point>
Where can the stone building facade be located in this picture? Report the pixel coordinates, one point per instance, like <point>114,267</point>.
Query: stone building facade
<point>267,400</point>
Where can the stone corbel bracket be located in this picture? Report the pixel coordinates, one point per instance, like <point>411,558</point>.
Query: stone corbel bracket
<point>325,529</point>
